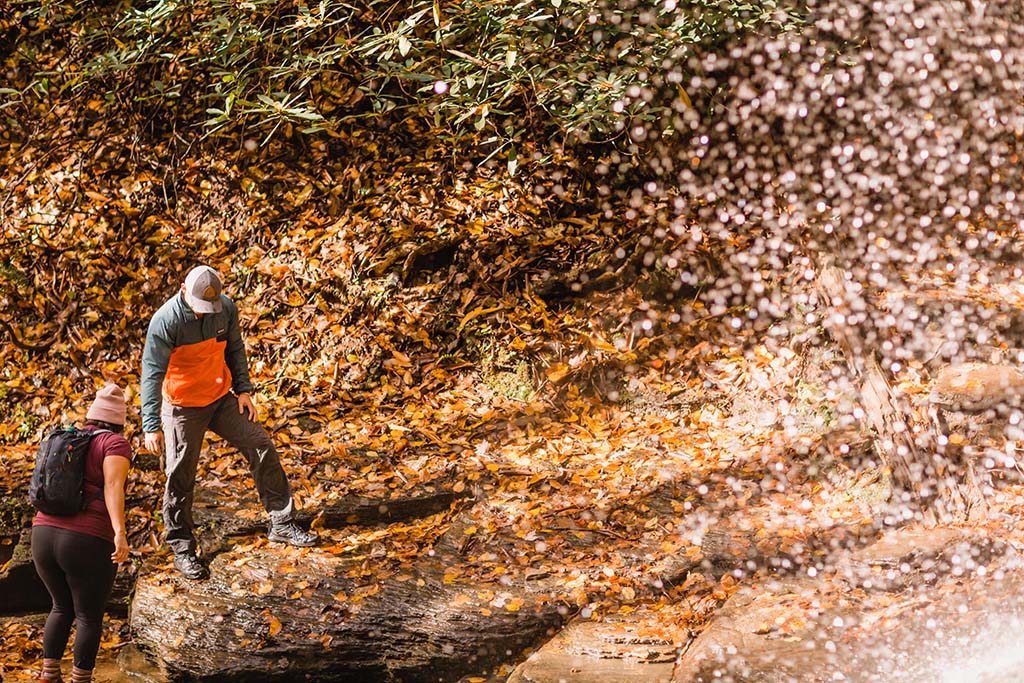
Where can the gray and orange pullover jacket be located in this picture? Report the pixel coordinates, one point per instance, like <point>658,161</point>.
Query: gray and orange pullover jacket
<point>191,361</point>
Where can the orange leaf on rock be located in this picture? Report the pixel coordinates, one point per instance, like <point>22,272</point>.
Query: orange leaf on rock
<point>274,624</point>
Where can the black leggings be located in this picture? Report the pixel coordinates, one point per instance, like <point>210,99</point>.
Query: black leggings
<point>79,574</point>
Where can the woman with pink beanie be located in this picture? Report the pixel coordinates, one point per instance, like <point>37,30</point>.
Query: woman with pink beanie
<point>77,556</point>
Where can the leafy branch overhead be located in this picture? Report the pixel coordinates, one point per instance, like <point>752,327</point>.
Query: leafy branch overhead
<point>490,71</point>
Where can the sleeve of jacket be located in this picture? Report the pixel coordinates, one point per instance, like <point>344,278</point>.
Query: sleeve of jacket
<point>234,353</point>
<point>155,356</point>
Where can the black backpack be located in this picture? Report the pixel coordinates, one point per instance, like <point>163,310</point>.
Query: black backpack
<point>58,479</point>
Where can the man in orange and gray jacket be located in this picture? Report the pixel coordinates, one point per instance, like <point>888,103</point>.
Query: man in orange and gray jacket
<point>195,377</point>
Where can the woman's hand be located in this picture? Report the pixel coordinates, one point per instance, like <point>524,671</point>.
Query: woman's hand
<point>115,474</point>
<point>121,548</point>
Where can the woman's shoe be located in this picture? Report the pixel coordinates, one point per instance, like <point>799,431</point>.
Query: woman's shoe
<point>50,672</point>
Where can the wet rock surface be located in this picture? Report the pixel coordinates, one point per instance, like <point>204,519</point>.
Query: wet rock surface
<point>956,598</point>
<point>637,648</point>
<point>908,558</point>
<point>925,589</point>
<point>977,387</point>
<point>279,614</point>
<point>790,633</point>
<point>416,629</point>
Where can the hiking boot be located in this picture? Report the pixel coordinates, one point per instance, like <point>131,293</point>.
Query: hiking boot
<point>190,566</point>
<point>292,534</point>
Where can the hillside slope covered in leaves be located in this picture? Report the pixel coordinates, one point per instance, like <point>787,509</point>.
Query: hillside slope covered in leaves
<point>361,222</point>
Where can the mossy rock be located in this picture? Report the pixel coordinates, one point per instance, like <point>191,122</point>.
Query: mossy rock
<point>515,384</point>
<point>15,513</point>
<point>505,372</point>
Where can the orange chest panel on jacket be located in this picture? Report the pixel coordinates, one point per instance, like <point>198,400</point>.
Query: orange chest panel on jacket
<point>197,374</point>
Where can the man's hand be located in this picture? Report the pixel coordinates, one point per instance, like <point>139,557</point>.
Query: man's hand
<point>155,443</point>
<point>245,404</point>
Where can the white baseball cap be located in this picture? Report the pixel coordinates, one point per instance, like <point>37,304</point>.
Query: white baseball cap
<point>202,290</point>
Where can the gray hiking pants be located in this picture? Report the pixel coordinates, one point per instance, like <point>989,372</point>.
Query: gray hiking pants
<point>184,429</point>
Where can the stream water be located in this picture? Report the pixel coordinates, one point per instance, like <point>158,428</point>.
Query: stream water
<point>993,653</point>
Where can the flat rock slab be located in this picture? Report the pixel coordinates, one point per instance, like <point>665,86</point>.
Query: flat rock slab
<point>619,650</point>
<point>782,636</point>
<point>274,613</point>
<point>954,603</point>
<point>774,633</point>
<point>914,556</point>
<point>976,387</point>
<point>962,615</point>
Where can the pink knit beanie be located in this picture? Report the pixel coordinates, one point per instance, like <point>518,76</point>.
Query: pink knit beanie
<point>108,406</point>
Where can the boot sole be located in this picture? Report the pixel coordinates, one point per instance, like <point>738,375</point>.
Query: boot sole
<point>288,541</point>
<point>197,577</point>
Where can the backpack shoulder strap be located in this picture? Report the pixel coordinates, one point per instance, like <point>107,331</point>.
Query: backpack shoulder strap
<point>99,494</point>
